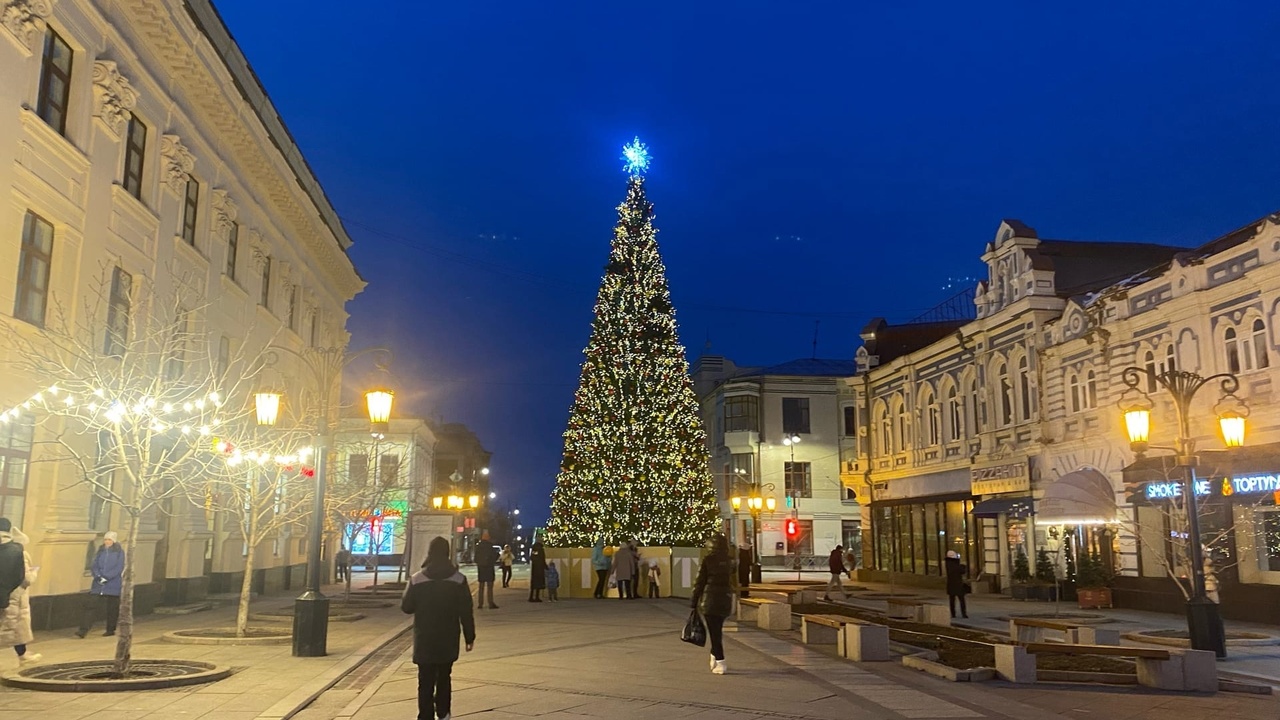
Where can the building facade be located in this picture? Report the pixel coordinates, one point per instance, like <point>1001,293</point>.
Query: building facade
<point>142,155</point>
<point>778,432</point>
<point>461,468</point>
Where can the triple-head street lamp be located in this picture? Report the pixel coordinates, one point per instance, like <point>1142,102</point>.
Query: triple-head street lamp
<point>755,505</point>
<point>1204,622</point>
<point>311,609</point>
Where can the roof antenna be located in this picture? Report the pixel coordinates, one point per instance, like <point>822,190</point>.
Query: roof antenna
<point>815,338</point>
<point>706,350</point>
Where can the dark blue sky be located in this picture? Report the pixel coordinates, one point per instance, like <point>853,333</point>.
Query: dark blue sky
<point>826,161</point>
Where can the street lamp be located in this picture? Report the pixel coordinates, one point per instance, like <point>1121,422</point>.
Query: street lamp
<point>1204,622</point>
<point>755,505</point>
<point>324,367</point>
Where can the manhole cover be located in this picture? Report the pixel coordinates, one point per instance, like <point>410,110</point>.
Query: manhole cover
<point>99,675</point>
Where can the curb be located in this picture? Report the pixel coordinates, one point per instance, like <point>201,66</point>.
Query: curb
<point>296,701</point>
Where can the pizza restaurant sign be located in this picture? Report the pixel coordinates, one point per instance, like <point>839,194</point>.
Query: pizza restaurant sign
<point>995,479</point>
<point>1225,487</point>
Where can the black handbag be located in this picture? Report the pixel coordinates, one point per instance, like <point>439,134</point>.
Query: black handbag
<point>695,631</point>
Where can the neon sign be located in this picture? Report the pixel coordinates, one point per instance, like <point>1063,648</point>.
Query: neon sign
<point>1170,490</point>
<point>1226,487</point>
<point>1253,484</point>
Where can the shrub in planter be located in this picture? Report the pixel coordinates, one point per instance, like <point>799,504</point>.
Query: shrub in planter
<point>1093,580</point>
<point>1021,576</point>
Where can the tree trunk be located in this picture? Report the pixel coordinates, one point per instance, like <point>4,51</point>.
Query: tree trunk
<point>124,638</point>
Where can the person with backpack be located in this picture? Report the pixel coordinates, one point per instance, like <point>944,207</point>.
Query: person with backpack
<point>439,600</point>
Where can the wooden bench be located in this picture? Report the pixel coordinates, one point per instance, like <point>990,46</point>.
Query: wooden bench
<point>1186,670</point>
<point>918,611</point>
<point>1031,630</point>
<point>858,640</point>
<point>796,594</point>
<point>766,614</point>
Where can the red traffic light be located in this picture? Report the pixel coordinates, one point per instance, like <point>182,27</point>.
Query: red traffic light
<point>793,528</point>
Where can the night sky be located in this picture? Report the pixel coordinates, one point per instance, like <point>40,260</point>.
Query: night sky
<point>815,162</point>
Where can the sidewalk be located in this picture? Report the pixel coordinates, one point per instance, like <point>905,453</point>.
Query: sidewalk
<point>267,682</point>
<point>622,659</point>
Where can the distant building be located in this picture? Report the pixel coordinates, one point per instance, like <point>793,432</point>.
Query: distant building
<point>461,468</point>
<point>384,477</point>
<point>748,413</point>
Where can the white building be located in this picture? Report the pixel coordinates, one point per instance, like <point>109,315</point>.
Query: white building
<point>140,151</point>
<point>779,432</point>
<point>386,476</point>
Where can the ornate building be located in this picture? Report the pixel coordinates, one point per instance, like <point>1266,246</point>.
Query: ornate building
<point>140,149</point>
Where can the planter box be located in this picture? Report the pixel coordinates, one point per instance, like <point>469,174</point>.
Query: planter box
<point>1094,597</point>
<point>1048,593</point>
<point>1020,592</point>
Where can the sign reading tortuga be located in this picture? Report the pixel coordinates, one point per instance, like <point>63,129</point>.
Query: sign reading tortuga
<point>996,479</point>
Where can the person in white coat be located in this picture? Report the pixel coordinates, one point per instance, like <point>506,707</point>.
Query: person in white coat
<point>15,620</point>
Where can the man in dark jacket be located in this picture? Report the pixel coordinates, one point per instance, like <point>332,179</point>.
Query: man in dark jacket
<point>486,559</point>
<point>13,567</point>
<point>440,602</point>
<point>835,564</point>
<point>956,572</point>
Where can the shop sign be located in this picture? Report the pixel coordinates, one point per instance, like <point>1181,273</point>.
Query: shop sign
<point>996,479</point>
<point>1226,487</point>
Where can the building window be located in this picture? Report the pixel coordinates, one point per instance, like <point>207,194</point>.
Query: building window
<point>265,298</point>
<point>233,250</point>
<point>900,426</point>
<point>55,82</point>
<point>314,331</point>
<point>1233,350</point>
<point>1260,359</point>
<point>802,543</point>
<point>798,482</point>
<point>135,149</point>
<point>1268,540</point>
<point>1149,364</point>
<point>975,409</point>
<point>389,470</point>
<point>103,484</point>
<point>118,313</point>
<point>1091,390</point>
<point>933,418</point>
<point>34,261</point>
<point>850,421</point>
<point>189,207</point>
<point>1073,392</point>
<point>795,416</point>
<point>224,356</point>
<point>293,308</point>
<point>1024,387</point>
<point>885,425</point>
<point>955,415</point>
<point>741,413</point>
<point>15,457</point>
<point>1171,359</point>
<point>1005,388</point>
<point>358,469</point>
<point>741,469</point>
<point>176,360</point>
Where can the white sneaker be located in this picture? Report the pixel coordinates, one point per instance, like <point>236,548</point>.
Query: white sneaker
<point>713,662</point>
<point>718,668</point>
<point>30,658</point>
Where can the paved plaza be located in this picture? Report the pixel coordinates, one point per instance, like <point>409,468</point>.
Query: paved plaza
<point>613,658</point>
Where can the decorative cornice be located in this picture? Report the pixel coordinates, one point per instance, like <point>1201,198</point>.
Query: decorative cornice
<point>25,18</point>
<point>224,210</point>
<point>113,97</point>
<point>177,163</point>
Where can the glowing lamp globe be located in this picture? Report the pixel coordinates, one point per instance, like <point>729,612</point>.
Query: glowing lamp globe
<point>438,502</point>
<point>770,504</point>
<point>1232,425</point>
<point>736,502</point>
<point>379,404</point>
<point>474,501</point>
<point>1137,423</point>
<point>268,406</point>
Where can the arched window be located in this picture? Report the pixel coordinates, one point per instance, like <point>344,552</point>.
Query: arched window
<point>955,415</point>
<point>1233,350</point>
<point>885,426</point>
<point>1261,360</point>
<point>1024,387</point>
<point>975,408</point>
<point>1005,390</point>
<point>900,423</point>
<point>933,420</point>
<point>1073,392</point>
<point>1171,359</point>
<point>1149,362</point>
<point>1091,390</point>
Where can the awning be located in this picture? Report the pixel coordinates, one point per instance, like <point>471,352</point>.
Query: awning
<point>1082,497</point>
<point>1015,507</point>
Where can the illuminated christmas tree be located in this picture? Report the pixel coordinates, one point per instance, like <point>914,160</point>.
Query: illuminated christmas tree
<point>635,461</point>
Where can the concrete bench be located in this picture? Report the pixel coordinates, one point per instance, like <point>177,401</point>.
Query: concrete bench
<point>858,640</point>
<point>1185,670</point>
<point>1031,630</point>
<point>766,614</point>
<point>918,611</point>
<point>795,594</point>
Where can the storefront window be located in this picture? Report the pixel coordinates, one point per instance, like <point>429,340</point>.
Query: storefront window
<point>933,538</point>
<point>919,541</point>
<point>1268,525</point>
<point>915,538</point>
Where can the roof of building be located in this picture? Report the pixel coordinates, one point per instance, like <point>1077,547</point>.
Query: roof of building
<point>888,342</point>
<point>1081,267</point>
<point>807,367</point>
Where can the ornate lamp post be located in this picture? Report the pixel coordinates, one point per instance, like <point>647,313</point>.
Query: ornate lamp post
<point>755,505</point>
<point>1204,622</point>
<point>324,366</point>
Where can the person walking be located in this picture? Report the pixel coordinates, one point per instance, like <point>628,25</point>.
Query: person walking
<point>507,559</point>
<point>835,564</point>
<point>486,559</point>
<point>713,595</point>
<point>850,561</point>
<point>624,567</point>
<point>955,582</point>
<point>537,571</point>
<point>601,564</point>
<point>636,564</point>
<point>440,602</point>
<point>104,595</point>
<point>745,563</point>
<point>16,575</point>
<point>655,575</point>
<point>342,562</point>
<point>553,581</point>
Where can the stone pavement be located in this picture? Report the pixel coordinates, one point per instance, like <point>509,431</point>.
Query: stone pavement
<point>622,659</point>
<point>269,682</point>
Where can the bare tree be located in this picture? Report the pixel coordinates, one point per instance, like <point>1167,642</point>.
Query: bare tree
<point>365,487</point>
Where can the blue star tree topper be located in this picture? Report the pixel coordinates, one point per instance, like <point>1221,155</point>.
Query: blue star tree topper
<point>637,156</point>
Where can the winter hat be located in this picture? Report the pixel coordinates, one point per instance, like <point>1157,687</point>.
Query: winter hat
<point>953,554</point>
<point>112,536</point>
<point>484,535</point>
<point>437,550</point>
<point>5,524</point>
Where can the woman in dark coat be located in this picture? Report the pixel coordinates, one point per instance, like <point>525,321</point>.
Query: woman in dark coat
<point>713,595</point>
<point>955,582</point>
<point>537,572</point>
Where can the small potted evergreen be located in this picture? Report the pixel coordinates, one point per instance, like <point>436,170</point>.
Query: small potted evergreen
<point>1021,575</point>
<point>1092,582</point>
<point>1045,585</point>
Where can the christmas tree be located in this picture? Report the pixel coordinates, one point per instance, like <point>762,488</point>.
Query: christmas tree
<point>635,462</point>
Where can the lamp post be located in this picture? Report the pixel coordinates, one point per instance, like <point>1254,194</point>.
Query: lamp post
<point>791,441</point>
<point>1204,622</point>
<point>324,367</point>
<point>755,505</point>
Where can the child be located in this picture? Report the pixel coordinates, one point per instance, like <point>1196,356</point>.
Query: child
<point>553,581</point>
<point>655,573</point>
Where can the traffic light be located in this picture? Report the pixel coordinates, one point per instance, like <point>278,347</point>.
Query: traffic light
<point>793,528</point>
